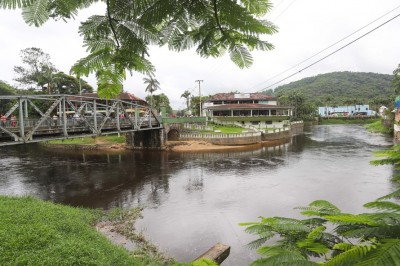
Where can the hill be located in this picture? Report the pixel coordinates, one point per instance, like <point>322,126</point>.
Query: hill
<point>341,87</point>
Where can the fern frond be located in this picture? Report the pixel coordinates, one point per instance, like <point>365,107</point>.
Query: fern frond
<point>13,4</point>
<point>91,63</point>
<point>241,56</point>
<point>311,242</point>
<point>110,82</point>
<point>272,251</point>
<point>258,7</point>
<point>388,253</point>
<point>279,256</point>
<point>351,255</point>
<point>349,219</point>
<point>259,242</point>
<point>383,205</point>
<point>103,44</point>
<point>391,195</point>
<point>379,232</point>
<point>142,33</point>
<point>36,13</point>
<point>343,246</point>
<point>319,208</point>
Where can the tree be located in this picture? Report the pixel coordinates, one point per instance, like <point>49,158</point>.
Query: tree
<point>396,81</point>
<point>186,94</point>
<point>160,100</point>
<point>152,86</point>
<point>38,72</point>
<point>6,89</point>
<point>371,238</point>
<point>195,104</point>
<point>66,84</point>
<point>119,40</point>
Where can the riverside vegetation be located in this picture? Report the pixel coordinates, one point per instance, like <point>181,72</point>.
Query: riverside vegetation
<point>36,232</point>
<point>327,236</point>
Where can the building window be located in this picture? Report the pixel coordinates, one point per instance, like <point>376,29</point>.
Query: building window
<point>255,123</point>
<point>268,122</point>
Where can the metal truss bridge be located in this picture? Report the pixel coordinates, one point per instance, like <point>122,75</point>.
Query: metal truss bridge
<point>35,118</point>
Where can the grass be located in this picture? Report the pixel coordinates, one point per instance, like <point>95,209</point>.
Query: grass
<point>338,121</point>
<point>378,127</point>
<point>109,139</point>
<point>35,232</point>
<point>228,130</point>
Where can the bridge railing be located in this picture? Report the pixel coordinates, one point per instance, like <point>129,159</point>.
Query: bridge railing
<point>61,115</point>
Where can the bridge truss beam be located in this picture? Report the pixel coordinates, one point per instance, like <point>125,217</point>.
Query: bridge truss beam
<point>35,118</point>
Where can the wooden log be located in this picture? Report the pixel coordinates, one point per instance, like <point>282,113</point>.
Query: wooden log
<point>218,253</point>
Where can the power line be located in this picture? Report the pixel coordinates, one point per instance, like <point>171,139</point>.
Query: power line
<point>280,14</point>
<point>323,50</point>
<point>337,50</point>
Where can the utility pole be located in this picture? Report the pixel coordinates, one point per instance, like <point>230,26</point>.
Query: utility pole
<point>199,80</point>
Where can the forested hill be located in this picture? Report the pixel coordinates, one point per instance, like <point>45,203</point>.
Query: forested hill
<point>341,87</point>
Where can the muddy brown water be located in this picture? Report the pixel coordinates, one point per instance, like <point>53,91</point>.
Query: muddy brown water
<point>194,200</point>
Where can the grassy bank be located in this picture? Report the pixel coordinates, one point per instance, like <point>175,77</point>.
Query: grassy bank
<point>378,127</point>
<point>35,232</point>
<point>338,121</point>
<point>109,139</point>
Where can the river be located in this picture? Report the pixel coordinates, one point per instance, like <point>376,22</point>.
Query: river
<point>194,200</point>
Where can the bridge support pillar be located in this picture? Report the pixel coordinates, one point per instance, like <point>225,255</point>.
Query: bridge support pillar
<point>146,139</point>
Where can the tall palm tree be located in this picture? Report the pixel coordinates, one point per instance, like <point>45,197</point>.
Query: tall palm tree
<point>152,86</point>
<point>186,95</point>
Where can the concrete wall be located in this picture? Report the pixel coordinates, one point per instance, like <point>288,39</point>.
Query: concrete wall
<point>146,139</point>
<point>224,139</point>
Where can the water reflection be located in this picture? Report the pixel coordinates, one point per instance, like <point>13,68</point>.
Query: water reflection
<point>194,200</point>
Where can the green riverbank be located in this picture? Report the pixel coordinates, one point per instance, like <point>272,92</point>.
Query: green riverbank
<point>36,232</point>
<point>345,120</point>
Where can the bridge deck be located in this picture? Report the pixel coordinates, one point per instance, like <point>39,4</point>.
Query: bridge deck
<point>67,116</point>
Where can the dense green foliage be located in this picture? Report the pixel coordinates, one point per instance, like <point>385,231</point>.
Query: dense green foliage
<point>379,127</point>
<point>371,238</point>
<point>158,101</point>
<point>346,120</point>
<point>396,80</point>
<point>6,89</point>
<point>118,41</point>
<point>342,88</point>
<point>39,73</point>
<point>303,109</point>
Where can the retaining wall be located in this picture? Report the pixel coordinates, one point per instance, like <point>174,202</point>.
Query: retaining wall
<point>224,139</point>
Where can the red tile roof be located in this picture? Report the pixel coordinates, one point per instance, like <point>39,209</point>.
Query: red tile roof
<point>239,96</point>
<point>126,96</point>
<point>245,107</point>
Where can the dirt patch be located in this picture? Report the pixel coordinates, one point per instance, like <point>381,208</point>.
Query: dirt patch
<point>120,229</point>
<point>190,146</point>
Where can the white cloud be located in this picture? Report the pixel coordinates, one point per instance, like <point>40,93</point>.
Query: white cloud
<point>305,28</point>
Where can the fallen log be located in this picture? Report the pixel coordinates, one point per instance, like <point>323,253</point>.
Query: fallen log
<point>218,253</point>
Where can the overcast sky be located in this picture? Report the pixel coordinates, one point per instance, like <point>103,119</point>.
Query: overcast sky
<point>305,28</point>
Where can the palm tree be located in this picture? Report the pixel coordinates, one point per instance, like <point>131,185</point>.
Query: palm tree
<point>186,95</point>
<point>152,86</point>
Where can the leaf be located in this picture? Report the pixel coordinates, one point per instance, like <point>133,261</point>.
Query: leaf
<point>36,13</point>
<point>383,205</point>
<point>351,255</point>
<point>241,56</point>
<point>349,219</point>
<point>391,195</point>
<point>13,4</point>
<point>258,7</point>
<point>319,208</point>
<point>388,253</point>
